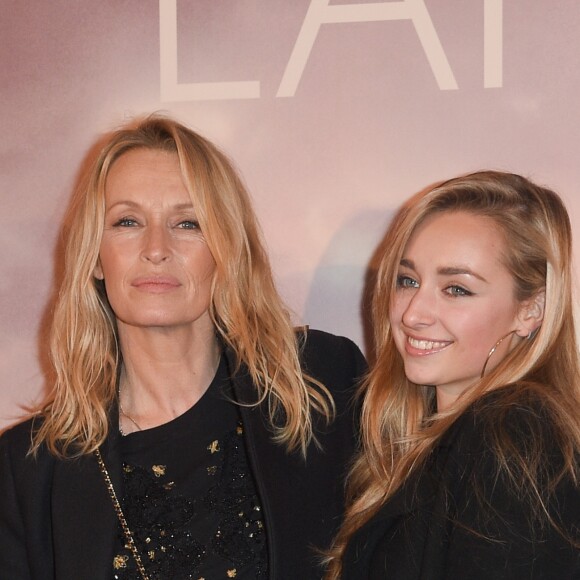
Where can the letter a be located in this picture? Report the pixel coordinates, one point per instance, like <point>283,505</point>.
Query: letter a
<point>319,12</point>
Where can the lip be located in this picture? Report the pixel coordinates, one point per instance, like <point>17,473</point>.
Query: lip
<point>417,346</point>
<point>156,284</point>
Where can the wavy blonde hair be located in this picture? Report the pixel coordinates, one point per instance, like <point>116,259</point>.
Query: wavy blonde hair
<point>245,308</point>
<point>399,424</point>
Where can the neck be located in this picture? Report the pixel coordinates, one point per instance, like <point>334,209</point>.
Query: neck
<point>164,373</point>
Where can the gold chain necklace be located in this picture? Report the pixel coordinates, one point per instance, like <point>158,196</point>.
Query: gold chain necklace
<point>119,511</point>
<point>128,417</point>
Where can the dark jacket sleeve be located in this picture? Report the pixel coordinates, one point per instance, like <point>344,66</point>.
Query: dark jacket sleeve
<point>13,559</point>
<point>25,545</point>
<point>496,533</point>
<point>56,519</point>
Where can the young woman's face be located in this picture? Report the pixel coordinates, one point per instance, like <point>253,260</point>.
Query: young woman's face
<point>153,257</point>
<point>454,301</point>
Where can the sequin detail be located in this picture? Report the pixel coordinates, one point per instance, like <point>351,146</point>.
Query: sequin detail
<point>161,519</point>
<point>158,470</point>
<point>214,446</point>
<point>120,562</point>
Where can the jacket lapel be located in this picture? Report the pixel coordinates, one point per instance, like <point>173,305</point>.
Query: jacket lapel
<point>258,443</point>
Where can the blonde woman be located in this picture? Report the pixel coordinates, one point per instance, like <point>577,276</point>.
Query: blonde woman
<point>471,414</point>
<point>191,433</point>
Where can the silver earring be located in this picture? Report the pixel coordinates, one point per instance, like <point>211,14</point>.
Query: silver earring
<point>532,333</point>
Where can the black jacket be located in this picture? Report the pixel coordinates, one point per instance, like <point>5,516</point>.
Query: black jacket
<point>458,520</point>
<point>57,521</point>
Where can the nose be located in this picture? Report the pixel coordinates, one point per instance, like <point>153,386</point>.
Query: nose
<point>156,244</point>
<point>420,310</point>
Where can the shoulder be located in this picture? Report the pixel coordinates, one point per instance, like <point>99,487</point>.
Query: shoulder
<point>15,444</point>
<point>512,447</point>
<point>511,484</point>
<point>331,358</point>
<point>515,415</point>
<point>18,438</point>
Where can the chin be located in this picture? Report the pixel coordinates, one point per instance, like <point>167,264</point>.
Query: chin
<point>420,378</point>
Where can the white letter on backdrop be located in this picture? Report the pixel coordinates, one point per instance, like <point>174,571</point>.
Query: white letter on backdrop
<point>319,12</point>
<point>492,43</point>
<point>171,90</point>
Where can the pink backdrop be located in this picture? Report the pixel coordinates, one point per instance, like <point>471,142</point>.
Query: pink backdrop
<point>334,111</point>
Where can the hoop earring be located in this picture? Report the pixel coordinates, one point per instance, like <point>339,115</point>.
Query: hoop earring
<point>493,349</point>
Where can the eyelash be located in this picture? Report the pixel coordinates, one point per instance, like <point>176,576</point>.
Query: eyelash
<point>454,290</point>
<point>131,222</point>
<point>124,222</point>
<point>402,282</point>
<point>194,223</point>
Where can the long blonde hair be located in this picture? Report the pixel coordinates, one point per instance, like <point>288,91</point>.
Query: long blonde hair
<point>246,309</point>
<point>396,436</point>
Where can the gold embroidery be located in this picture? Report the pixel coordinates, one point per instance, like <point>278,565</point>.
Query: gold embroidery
<point>120,562</point>
<point>212,470</point>
<point>232,573</point>
<point>214,447</point>
<point>159,470</point>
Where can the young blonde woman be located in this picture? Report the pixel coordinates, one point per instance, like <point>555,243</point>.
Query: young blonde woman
<point>471,414</point>
<point>191,433</point>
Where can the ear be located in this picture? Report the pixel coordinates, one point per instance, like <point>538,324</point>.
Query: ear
<point>98,271</point>
<point>531,314</point>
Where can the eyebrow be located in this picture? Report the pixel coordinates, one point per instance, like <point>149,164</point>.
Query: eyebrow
<point>178,207</point>
<point>446,270</point>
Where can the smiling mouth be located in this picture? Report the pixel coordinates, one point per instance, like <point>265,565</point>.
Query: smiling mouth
<point>427,345</point>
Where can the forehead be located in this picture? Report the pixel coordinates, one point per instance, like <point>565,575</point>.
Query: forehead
<point>147,173</point>
<point>137,161</point>
<point>457,238</point>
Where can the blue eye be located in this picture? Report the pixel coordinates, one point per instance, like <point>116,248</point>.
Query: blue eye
<point>125,222</point>
<point>406,282</point>
<point>188,225</point>
<point>455,291</point>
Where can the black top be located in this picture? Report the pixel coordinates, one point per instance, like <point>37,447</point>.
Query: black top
<point>189,497</point>
<point>460,517</point>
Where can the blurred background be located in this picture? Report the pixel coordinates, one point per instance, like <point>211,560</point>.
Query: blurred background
<point>334,111</point>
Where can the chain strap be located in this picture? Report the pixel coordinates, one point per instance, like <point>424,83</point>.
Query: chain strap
<point>118,510</point>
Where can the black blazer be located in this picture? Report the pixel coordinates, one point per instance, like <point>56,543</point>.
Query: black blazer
<point>57,521</point>
<point>458,521</point>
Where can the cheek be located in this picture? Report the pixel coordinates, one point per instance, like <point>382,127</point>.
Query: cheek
<point>482,331</point>
<point>397,308</point>
<point>200,264</point>
<point>109,263</point>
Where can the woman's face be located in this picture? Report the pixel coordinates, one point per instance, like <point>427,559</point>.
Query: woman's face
<point>454,301</point>
<point>153,258</point>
